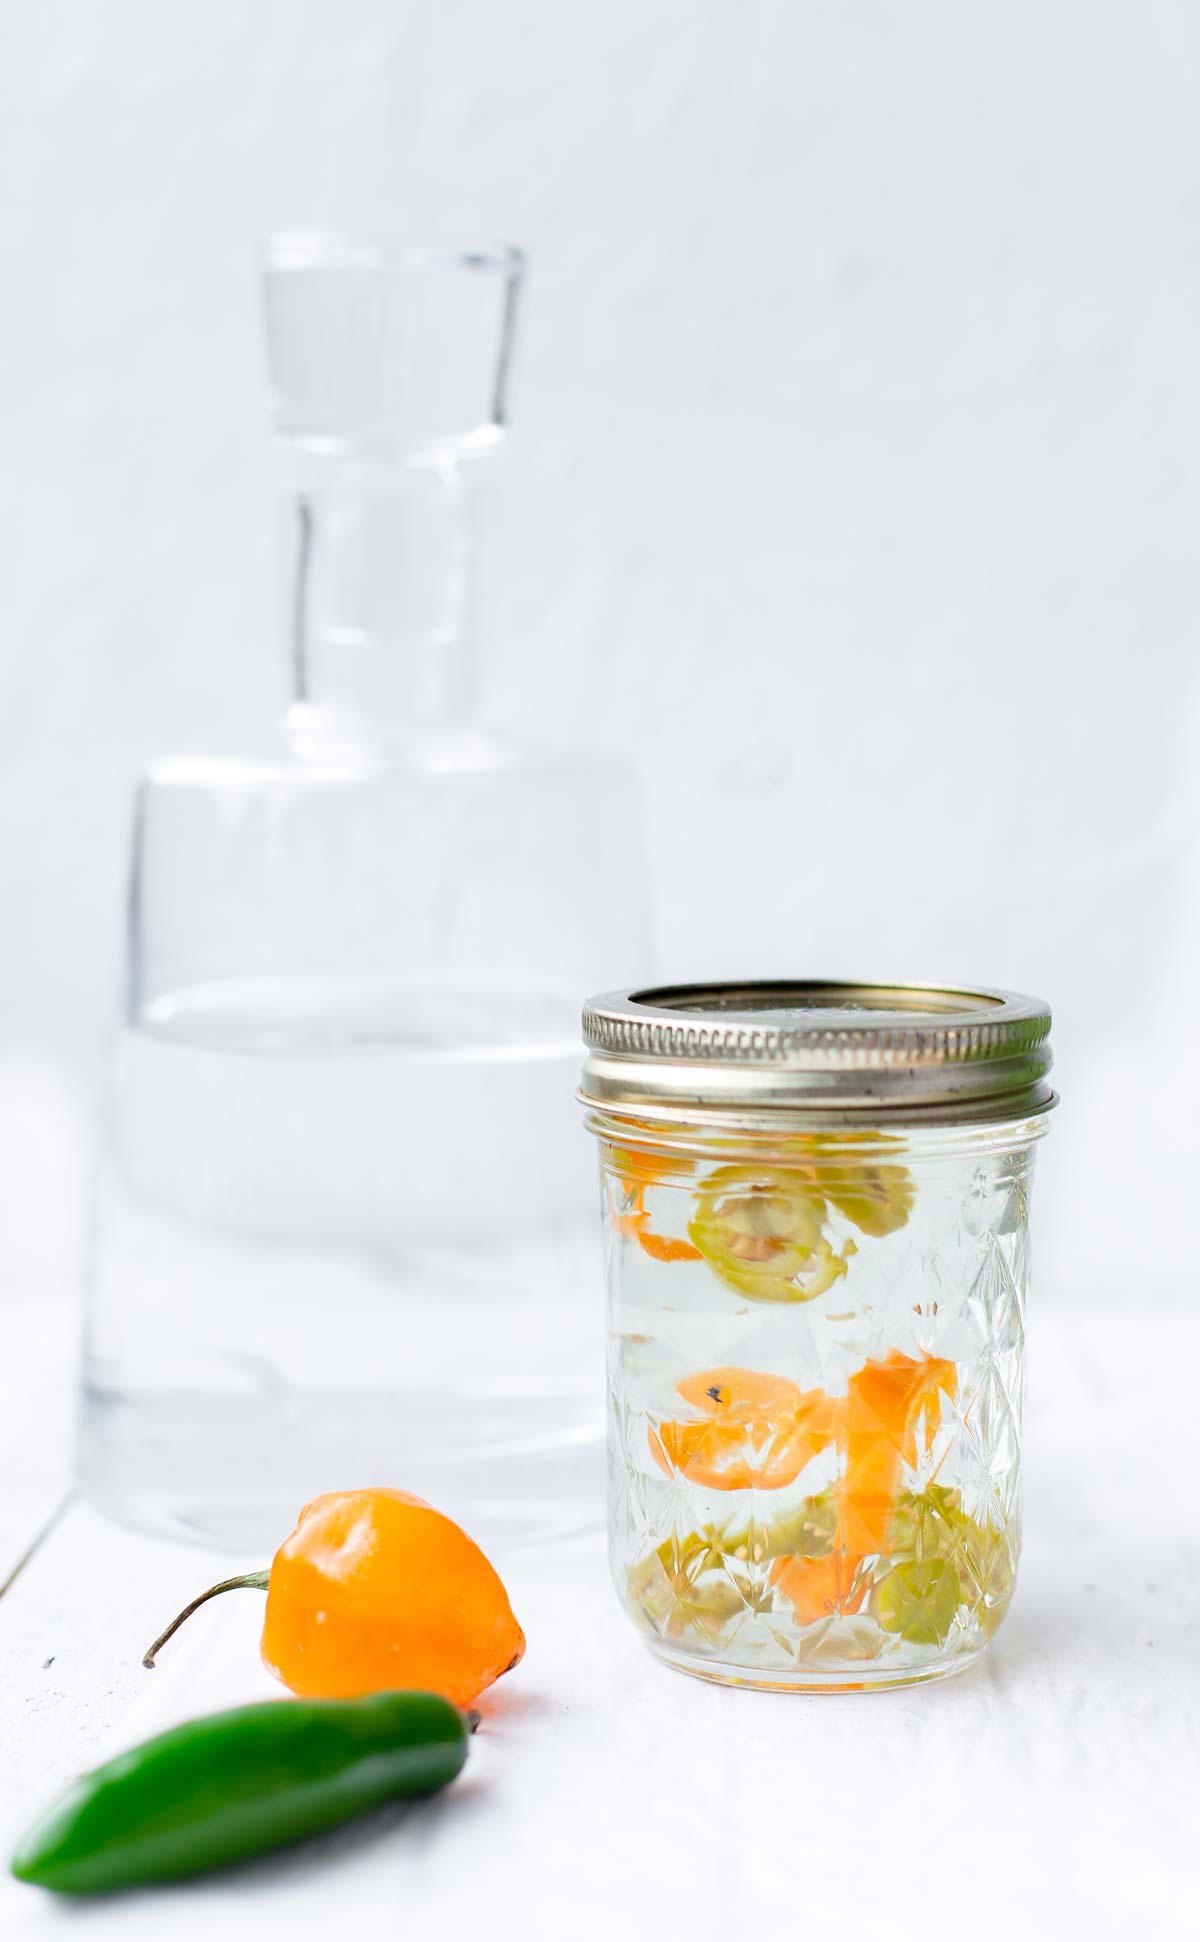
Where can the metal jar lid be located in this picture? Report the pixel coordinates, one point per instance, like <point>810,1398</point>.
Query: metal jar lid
<point>819,1052</point>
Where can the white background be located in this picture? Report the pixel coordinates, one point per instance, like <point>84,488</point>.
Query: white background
<point>852,487</point>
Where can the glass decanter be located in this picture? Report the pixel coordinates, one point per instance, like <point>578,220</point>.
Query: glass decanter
<point>342,1224</point>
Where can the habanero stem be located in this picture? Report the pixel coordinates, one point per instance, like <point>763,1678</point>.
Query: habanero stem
<point>251,1581</point>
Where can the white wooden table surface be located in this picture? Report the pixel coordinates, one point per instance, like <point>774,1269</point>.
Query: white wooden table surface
<point>1053,1790</point>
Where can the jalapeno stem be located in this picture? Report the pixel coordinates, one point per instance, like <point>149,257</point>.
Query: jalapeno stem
<point>252,1581</point>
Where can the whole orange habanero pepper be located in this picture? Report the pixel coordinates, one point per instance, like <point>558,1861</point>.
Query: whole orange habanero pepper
<point>375,1591</point>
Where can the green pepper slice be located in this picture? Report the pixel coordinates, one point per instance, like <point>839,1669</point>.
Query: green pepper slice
<point>919,1600</point>
<point>877,1199</point>
<point>761,1230</point>
<point>932,1529</point>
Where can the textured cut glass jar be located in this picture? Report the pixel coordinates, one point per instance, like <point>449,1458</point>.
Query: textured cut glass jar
<point>815,1205</point>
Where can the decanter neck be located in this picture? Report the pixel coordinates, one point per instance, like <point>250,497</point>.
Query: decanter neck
<point>383,594</point>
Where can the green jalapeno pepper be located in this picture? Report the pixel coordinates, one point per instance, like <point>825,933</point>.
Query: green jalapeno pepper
<point>239,1783</point>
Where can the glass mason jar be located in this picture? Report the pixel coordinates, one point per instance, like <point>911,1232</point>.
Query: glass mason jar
<point>815,1201</point>
<point>357,949</point>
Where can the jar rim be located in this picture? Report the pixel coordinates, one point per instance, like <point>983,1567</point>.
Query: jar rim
<point>831,1052</point>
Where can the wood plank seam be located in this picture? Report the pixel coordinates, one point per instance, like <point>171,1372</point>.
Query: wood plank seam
<point>51,1524</point>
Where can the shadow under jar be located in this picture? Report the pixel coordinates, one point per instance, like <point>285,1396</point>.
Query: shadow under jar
<point>815,1204</point>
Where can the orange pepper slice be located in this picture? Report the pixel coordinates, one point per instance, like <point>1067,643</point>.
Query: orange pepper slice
<point>886,1402</point>
<point>887,1406</point>
<point>755,1431</point>
<point>637,1168</point>
<point>820,1587</point>
<point>632,1226</point>
<point>664,1247</point>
